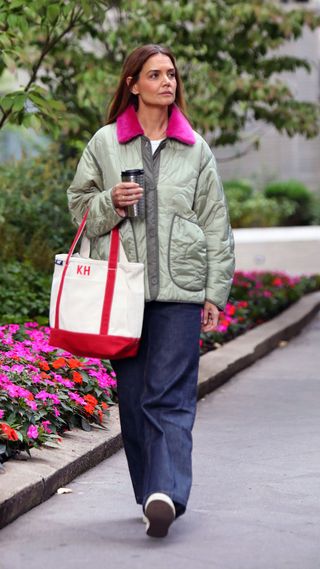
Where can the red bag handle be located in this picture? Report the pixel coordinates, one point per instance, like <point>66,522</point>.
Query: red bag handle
<point>111,274</point>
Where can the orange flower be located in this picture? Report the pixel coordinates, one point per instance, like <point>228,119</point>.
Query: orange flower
<point>60,362</point>
<point>90,399</point>
<point>104,405</point>
<point>73,363</point>
<point>77,377</point>
<point>89,409</point>
<point>44,365</point>
<point>44,375</point>
<point>10,433</point>
<point>100,414</point>
<point>30,396</point>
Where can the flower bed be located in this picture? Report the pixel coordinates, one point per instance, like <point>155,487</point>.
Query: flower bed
<point>255,298</point>
<point>44,392</point>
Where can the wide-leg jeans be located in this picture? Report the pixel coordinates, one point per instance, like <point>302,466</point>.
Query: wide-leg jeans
<point>157,393</point>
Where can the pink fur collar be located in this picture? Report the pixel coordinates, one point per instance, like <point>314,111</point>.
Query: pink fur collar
<point>128,126</point>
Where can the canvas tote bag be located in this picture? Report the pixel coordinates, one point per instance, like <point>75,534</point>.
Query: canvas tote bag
<point>96,307</point>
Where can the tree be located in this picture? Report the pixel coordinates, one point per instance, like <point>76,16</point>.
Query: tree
<point>226,51</point>
<point>32,36</point>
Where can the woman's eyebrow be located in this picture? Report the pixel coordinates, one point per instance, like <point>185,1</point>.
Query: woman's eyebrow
<point>152,70</point>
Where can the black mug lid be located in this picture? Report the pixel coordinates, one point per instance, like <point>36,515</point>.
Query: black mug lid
<point>133,172</point>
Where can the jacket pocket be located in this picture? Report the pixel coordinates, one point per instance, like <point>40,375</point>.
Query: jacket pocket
<point>187,256</point>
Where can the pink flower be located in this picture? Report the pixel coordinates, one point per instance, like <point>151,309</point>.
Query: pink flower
<point>32,405</point>
<point>1,413</point>
<point>77,398</point>
<point>46,427</point>
<point>33,432</point>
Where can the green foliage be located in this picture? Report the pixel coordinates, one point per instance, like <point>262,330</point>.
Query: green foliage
<point>24,293</point>
<point>299,196</point>
<point>34,219</point>
<point>238,189</point>
<point>248,208</point>
<point>30,34</point>
<point>225,50</point>
<point>316,209</point>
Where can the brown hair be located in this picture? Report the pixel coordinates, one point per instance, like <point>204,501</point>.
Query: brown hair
<point>131,68</point>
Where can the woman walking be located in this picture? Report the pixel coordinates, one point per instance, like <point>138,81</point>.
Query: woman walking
<point>186,245</point>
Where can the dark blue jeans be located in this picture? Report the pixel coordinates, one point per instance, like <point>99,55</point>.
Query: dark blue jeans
<point>157,393</point>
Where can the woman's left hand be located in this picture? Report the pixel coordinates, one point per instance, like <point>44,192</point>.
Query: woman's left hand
<point>210,317</point>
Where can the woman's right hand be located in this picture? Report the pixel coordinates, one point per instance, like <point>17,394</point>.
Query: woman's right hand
<point>125,194</point>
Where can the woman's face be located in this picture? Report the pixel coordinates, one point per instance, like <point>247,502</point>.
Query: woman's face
<point>157,82</point>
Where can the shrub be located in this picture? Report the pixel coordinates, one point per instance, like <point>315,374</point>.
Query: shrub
<point>316,209</point>
<point>34,219</point>
<point>296,193</point>
<point>238,189</point>
<point>257,211</point>
<point>24,293</point>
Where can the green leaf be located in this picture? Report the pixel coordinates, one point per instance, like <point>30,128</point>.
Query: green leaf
<point>53,11</point>
<point>85,425</point>
<point>19,102</point>
<point>51,444</point>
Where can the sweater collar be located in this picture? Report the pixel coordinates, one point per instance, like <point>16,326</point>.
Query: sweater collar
<point>128,126</point>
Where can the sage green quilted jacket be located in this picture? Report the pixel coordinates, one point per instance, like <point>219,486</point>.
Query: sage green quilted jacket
<point>185,240</point>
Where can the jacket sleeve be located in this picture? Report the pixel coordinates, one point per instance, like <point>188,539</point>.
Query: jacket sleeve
<point>87,190</point>
<point>213,217</point>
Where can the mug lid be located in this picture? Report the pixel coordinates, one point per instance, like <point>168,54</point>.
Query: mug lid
<point>133,172</point>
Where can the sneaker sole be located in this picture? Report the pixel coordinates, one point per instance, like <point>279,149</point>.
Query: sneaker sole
<point>160,516</point>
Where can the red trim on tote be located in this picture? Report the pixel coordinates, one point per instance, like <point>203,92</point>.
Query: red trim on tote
<point>94,345</point>
<point>111,281</point>
<point>65,268</point>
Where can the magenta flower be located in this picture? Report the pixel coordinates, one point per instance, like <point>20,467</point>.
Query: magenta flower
<point>77,398</point>
<point>46,427</point>
<point>33,432</point>
<point>32,405</point>
<point>1,413</point>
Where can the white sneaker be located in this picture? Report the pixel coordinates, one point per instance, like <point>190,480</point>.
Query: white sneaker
<point>160,512</point>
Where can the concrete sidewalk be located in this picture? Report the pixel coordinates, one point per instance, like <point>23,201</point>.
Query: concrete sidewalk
<point>25,484</point>
<point>255,502</point>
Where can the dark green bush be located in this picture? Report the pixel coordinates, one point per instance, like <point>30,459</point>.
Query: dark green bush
<point>238,189</point>
<point>34,219</point>
<point>24,293</point>
<point>300,197</point>
<point>316,209</point>
<point>252,209</point>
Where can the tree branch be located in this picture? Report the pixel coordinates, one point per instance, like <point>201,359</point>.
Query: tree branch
<point>239,154</point>
<point>47,47</point>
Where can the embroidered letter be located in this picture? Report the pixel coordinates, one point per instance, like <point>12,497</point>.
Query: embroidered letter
<point>83,270</point>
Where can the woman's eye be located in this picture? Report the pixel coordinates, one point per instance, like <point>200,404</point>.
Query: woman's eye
<point>172,75</point>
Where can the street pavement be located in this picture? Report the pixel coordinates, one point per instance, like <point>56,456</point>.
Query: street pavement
<point>255,501</point>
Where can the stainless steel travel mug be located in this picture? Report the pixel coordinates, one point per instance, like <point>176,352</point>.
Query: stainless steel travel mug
<point>137,176</point>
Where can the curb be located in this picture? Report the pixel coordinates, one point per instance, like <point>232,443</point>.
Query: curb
<point>27,483</point>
